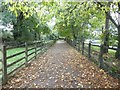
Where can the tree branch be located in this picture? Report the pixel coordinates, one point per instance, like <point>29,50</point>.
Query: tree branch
<point>73,8</point>
<point>112,20</point>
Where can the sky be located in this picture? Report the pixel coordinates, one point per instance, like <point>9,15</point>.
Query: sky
<point>52,23</point>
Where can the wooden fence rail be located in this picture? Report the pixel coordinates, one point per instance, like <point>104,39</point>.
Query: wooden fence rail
<point>35,49</point>
<point>86,49</point>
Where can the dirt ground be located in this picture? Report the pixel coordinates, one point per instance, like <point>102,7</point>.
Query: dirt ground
<point>62,67</point>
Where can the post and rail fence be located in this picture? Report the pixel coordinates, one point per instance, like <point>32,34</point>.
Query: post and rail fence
<point>30,52</point>
<point>86,49</point>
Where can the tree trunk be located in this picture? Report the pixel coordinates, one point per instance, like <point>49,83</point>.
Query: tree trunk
<point>117,54</point>
<point>101,57</point>
<point>74,35</point>
<point>17,32</point>
<point>106,34</point>
<point>39,36</point>
<point>73,32</point>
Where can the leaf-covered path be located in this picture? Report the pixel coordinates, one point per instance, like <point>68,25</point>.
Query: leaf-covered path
<point>61,66</point>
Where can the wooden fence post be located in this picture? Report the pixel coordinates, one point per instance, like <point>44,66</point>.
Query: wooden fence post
<point>47,44</point>
<point>78,45</point>
<point>26,53</point>
<point>4,65</point>
<point>75,44</point>
<point>35,50</point>
<point>89,50</point>
<point>70,42</point>
<point>101,57</point>
<point>39,44</point>
<point>82,47</point>
<point>42,46</point>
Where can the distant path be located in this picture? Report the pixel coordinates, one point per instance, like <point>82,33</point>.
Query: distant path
<point>62,66</point>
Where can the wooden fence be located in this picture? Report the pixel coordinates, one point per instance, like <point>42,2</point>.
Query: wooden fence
<point>30,52</point>
<point>86,49</point>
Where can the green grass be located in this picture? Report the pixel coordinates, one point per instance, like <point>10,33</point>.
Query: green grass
<point>109,57</point>
<point>17,50</point>
<point>0,64</point>
<point>0,54</point>
<point>13,59</point>
<point>110,51</point>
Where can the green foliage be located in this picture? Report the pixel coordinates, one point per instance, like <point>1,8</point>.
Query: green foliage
<point>24,17</point>
<point>73,19</point>
<point>6,35</point>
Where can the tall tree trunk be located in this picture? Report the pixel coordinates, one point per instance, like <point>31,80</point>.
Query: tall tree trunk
<point>106,34</point>
<point>117,54</point>
<point>74,36</point>
<point>17,32</point>
<point>73,32</point>
<point>39,36</point>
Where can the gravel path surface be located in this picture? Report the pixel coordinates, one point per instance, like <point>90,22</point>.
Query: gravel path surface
<point>61,67</point>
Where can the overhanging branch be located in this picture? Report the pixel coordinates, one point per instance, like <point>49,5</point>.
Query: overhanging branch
<point>112,20</point>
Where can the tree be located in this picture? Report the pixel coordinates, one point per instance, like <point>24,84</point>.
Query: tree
<point>117,24</point>
<point>27,24</point>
